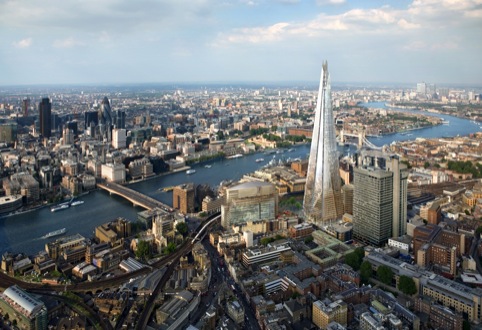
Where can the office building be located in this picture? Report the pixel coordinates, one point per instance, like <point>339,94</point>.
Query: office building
<point>235,311</point>
<point>372,206</point>
<point>29,312</point>
<point>368,322</point>
<point>119,138</point>
<point>249,201</point>
<point>379,199</point>
<point>25,106</point>
<point>325,312</point>
<point>105,119</point>
<point>322,200</point>
<point>119,119</point>
<point>45,117</point>
<point>91,118</point>
<point>265,254</point>
<point>8,132</point>
<point>183,198</point>
<point>114,172</point>
<point>347,192</point>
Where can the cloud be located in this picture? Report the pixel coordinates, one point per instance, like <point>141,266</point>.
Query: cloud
<point>407,25</point>
<point>258,35</point>
<point>67,43</point>
<point>24,43</point>
<point>329,2</point>
<point>385,20</point>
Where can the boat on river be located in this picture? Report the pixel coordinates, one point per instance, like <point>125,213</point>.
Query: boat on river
<point>77,203</point>
<point>235,156</point>
<point>191,171</point>
<point>259,160</point>
<point>55,233</point>
<point>59,207</point>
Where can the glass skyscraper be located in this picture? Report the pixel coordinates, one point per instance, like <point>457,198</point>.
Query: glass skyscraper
<point>322,201</point>
<point>45,117</point>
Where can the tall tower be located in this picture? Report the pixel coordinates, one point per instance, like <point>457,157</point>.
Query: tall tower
<point>322,201</point>
<point>105,119</point>
<point>45,117</point>
<point>380,198</point>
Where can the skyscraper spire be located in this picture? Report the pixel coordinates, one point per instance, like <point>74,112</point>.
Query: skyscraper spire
<point>322,201</point>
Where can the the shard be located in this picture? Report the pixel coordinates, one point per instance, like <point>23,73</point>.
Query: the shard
<point>322,201</point>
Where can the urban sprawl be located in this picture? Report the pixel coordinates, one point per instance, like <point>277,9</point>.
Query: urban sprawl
<point>377,237</point>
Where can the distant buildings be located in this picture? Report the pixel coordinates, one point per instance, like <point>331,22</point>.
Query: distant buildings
<point>322,200</point>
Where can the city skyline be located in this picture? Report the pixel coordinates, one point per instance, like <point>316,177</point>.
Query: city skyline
<point>57,42</point>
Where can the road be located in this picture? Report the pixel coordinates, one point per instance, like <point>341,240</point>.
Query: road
<point>223,275</point>
<point>174,261</point>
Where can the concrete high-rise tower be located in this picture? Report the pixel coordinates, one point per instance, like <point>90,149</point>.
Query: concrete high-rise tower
<point>380,198</point>
<point>322,201</point>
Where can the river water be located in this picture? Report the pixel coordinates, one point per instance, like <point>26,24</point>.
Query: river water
<point>23,232</point>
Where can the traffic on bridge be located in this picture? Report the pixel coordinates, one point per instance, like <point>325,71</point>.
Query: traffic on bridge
<point>135,197</point>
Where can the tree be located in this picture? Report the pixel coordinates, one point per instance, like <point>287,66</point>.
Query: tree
<point>170,248</point>
<point>479,229</point>
<point>360,252</point>
<point>352,260</point>
<point>355,258</point>
<point>266,240</point>
<point>182,228</point>
<point>407,285</point>
<point>220,135</point>
<point>426,165</point>
<point>143,250</point>
<point>385,274</point>
<point>308,239</point>
<point>366,271</point>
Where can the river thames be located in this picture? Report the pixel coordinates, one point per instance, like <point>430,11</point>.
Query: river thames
<point>23,232</point>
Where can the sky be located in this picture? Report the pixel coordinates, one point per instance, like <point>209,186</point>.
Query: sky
<point>147,41</point>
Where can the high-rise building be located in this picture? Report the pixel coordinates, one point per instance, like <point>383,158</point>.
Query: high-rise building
<point>119,118</point>
<point>380,198</point>
<point>249,201</point>
<point>25,106</point>
<point>322,201</point>
<point>119,138</point>
<point>183,198</point>
<point>8,132</point>
<point>45,117</point>
<point>105,119</point>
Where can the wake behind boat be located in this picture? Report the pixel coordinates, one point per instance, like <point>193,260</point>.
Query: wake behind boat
<point>77,203</point>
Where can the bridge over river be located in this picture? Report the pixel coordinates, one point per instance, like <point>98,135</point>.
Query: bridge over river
<point>135,197</point>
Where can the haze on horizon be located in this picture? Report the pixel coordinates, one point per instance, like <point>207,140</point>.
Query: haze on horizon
<point>149,41</point>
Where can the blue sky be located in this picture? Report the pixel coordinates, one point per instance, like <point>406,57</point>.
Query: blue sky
<point>142,41</point>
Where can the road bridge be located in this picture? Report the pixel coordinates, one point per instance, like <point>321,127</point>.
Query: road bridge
<point>135,197</point>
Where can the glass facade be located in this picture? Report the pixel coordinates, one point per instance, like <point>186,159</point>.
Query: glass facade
<point>322,200</point>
